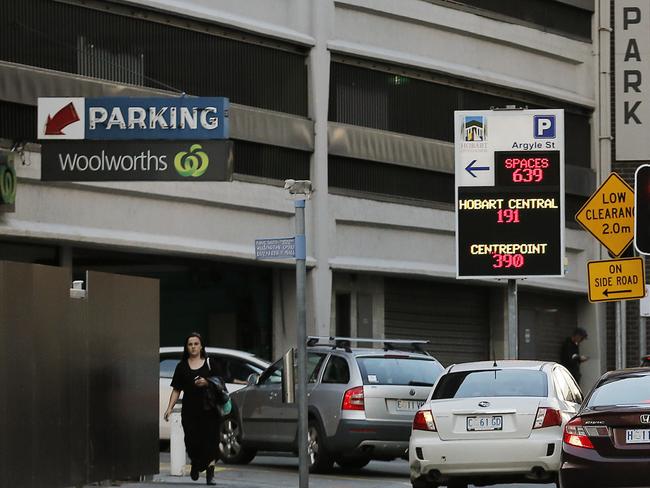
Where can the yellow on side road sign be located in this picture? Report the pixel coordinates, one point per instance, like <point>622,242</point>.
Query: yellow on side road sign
<point>609,214</point>
<point>616,279</point>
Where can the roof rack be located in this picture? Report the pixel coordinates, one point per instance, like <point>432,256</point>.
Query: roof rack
<point>389,344</point>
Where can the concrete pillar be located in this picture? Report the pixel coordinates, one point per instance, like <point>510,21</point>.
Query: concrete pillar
<point>321,226</point>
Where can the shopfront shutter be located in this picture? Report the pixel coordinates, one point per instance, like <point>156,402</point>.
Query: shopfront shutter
<point>545,320</point>
<point>455,318</point>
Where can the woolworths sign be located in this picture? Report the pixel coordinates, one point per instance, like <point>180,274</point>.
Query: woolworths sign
<point>126,139</point>
<point>137,160</point>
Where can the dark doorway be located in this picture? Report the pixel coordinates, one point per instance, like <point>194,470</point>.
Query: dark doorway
<point>343,315</point>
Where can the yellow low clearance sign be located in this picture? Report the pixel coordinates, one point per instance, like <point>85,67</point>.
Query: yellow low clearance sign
<point>609,214</point>
<point>616,279</point>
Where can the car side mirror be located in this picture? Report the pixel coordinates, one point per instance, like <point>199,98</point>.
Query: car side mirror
<point>252,379</point>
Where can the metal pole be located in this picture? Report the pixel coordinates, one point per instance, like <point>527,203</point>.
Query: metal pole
<point>643,337</point>
<point>620,335</point>
<point>513,330</point>
<point>624,334</point>
<point>301,326</point>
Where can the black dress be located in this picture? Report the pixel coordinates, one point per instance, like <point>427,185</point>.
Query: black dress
<point>201,426</point>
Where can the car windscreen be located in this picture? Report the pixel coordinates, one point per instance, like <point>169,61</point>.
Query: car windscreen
<point>492,383</point>
<point>623,390</point>
<point>167,367</point>
<point>403,370</point>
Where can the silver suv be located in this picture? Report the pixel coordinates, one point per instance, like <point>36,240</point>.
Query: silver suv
<point>361,404</point>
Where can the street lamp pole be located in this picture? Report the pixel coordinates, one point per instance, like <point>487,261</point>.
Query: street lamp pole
<point>301,335</point>
<point>300,191</point>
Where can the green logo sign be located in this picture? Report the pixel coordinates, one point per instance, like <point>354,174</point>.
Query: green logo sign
<point>8,184</point>
<point>193,163</point>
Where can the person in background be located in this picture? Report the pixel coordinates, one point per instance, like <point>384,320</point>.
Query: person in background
<point>570,356</point>
<point>201,426</point>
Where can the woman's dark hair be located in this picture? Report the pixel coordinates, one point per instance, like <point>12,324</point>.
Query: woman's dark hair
<point>186,353</point>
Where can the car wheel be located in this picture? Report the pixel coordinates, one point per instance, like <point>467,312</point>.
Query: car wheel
<point>231,450</point>
<point>423,483</point>
<point>352,462</point>
<point>457,484</point>
<point>319,459</point>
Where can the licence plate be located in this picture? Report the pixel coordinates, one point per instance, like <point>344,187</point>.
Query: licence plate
<point>637,436</point>
<point>487,422</point>
<point>408,405</point>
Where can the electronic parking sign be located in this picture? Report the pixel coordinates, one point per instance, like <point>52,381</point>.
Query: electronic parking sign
<point>509,193</point>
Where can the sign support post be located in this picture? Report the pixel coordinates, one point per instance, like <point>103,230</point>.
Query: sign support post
<point>301,337</point>
<point>300,191</point>
<point>295,247</point>
<point>621,334</point>
<point>513,320</point>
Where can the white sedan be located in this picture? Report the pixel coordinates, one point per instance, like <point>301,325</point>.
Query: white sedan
<point>236,366</point>
<point>493,422</point>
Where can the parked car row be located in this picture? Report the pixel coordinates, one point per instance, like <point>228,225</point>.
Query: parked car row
<point>476,423</point>
<point>524,421</point>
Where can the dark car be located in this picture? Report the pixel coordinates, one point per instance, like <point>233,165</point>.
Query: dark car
<point>608,442</point>
<point>645,361</point>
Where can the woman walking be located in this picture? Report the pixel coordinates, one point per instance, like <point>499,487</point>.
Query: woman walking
<point>201,426</point>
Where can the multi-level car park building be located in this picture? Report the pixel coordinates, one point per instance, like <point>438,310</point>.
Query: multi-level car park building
<point>355,95</point>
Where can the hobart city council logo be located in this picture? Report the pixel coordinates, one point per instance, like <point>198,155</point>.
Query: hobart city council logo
<point>474,128</point>
<point>193,162</point>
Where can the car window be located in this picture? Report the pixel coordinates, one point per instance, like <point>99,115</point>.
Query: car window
<point>622,390</point>
<point>234,370</point>
<point>562,385</point>
<point>272,375</point>
<point>239,370</point>
<point>336,371</point>
<point>575,395</point>
<point>167,367</point>
<point>492,383</point>
<point>314,363</point>
<point>403,370</point>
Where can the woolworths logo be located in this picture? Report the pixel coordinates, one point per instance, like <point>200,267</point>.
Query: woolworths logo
<point>193,162</point>
<point>7,184</point>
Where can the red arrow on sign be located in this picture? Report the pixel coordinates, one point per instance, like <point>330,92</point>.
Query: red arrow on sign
<point>63,118</point>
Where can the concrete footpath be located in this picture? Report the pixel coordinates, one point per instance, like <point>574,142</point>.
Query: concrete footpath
<point>282,472</point>
<point>277,472</point>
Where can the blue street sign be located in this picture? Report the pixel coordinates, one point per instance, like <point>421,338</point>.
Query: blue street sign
<point>275,248</point>
<point>120,118</point>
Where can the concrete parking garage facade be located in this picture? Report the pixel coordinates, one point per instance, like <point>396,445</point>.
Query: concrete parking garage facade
<point>355,95</point>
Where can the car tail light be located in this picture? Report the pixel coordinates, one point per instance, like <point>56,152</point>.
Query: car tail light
<point>547,417</point>
<point>576,435</point>
<point>423,420</point>
<point>353,399</point>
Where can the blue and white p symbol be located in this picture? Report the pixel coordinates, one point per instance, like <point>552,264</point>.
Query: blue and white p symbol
<point>544,126</point>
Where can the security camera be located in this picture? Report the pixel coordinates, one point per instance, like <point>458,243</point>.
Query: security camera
<point>298,187</point>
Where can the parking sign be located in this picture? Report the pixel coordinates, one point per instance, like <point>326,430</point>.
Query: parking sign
<point>544,126</point>
<point>509,193</point>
